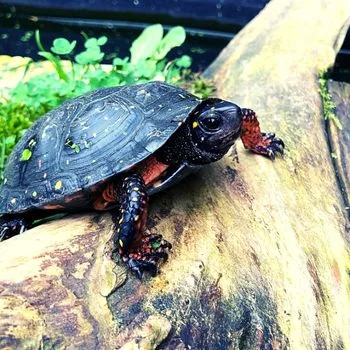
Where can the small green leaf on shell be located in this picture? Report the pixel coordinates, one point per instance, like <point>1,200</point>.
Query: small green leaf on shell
<point>26,155</point>
<point>72,145</point>
<point>156,244</point>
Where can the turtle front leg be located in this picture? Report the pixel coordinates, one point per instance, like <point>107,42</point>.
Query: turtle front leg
<point>255,140</point>
<point>11,225</point>
<point>140,252</point>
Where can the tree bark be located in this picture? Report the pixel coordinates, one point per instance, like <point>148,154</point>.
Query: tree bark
<point>260,257</point>
<point>339,139</point>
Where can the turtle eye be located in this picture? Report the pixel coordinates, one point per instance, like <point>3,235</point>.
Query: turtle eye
<point>211,122</point>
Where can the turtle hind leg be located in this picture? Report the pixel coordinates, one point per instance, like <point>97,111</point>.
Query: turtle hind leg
<point>11,225</point>
<point>140,252</point>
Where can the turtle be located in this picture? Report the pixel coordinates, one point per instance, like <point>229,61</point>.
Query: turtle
<point>110,149</point>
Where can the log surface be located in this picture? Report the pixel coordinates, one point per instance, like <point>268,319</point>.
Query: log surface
<point>340,139</point>
<point>260,257</point>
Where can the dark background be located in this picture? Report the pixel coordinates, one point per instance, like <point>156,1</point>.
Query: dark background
<point>209,25</point>
<point>223,14</point>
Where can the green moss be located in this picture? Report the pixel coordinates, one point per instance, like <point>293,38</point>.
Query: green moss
<point>328,104</point>
<point>15,118</point>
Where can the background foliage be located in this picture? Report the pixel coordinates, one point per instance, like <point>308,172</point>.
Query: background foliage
<point>76,73</point>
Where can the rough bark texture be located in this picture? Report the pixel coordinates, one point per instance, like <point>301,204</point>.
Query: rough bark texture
<point>260,257</point>
<point>340,139</point>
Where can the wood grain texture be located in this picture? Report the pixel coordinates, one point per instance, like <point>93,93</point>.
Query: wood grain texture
<point>259,260</point>
<point>340,139</point>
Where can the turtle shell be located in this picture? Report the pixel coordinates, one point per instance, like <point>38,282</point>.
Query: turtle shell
<point>90,139</point>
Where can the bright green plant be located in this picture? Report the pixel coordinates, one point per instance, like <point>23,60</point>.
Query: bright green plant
<point>76,73</point>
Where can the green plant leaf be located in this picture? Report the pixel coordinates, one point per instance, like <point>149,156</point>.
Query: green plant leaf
<point>62,46</point>
<point>91,55</point>
<point>175,37</point>
<point>102,40</point>
<point>146,69</point>
<point>159,76</point>
<point>27,68</point>
<point>146,44</point>
<point>38,41</point>
<point>173,74</point>
<point>26,155</point>
<point>57,64</point>
<point>120,62</point>
<point>184,61</point>
<point>91,42</point>
<point>10,140</point>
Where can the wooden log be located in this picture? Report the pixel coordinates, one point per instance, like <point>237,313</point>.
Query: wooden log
<point>260,257</point>
<point>340,139</point>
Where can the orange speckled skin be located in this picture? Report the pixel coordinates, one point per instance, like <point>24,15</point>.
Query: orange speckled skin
<point>257,141</point>
<point>150,170</point>
<point>251,134</point>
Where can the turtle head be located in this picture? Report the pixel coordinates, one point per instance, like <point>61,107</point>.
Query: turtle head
<point>214,127</point>
<point>206,136</point>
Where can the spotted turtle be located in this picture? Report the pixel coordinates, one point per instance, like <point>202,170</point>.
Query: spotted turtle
<point>112,148</point>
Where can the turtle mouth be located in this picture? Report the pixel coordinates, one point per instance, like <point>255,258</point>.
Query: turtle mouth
<point>227,141</point>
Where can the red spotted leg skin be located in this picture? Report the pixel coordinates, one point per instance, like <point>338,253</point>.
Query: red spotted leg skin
<point>255,140</point>
<point>140,252</point>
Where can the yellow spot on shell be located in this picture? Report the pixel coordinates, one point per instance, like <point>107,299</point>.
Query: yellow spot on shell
<point>194,125</point>
<point>136,189</point>
<point>137,217</point>
<point>121,243</point>
<point>34,194</point>
<point>58,185</point>
<point>13,200</point>
<point>121,220</point>
<point>134,199</point>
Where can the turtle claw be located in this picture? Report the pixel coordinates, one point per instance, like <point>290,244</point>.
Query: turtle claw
<point>11,226</point>
<point>152,250</point>
<point>3,233</point>
<point>269,145</point>
<point>139,266</point>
